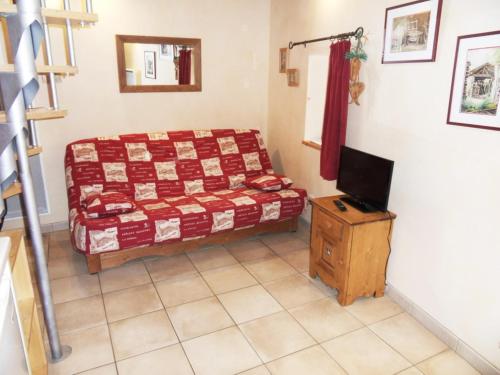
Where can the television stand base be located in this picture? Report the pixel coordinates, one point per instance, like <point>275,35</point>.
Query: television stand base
<point>363,207</point>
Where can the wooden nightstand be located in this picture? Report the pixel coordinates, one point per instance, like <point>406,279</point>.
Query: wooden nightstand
<point>349,250</point>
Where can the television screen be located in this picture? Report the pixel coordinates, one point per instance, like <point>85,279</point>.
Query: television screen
<point>366,178</point>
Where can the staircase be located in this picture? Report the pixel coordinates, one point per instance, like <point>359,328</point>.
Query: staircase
<point>26,24</point>
<point>74,19</point>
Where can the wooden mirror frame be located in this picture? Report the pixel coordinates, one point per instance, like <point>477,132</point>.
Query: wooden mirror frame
<point>120,55</point>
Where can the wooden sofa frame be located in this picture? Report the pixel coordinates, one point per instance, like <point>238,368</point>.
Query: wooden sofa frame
<point>102,261</point>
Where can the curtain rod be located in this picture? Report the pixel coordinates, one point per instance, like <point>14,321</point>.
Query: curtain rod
<point>358,33</point>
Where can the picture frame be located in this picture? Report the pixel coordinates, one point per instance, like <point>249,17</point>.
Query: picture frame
<point>292,77</point>
<point>150,64</point>
<point>475,85</point>
<point>166,51</point>
<point>411,32</point>
<point>283,59</point>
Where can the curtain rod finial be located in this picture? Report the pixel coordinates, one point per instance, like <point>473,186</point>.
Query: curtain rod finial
<point>290,45</point>
<point>359,32</point>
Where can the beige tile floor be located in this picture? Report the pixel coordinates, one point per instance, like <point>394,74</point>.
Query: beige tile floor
<point>248,307</point>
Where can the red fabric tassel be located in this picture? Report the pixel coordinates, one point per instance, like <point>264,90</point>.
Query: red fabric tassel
<point>336,106</point>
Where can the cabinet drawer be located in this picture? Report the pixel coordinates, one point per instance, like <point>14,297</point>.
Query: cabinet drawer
<point>330,226</point>
<point>332,252</point>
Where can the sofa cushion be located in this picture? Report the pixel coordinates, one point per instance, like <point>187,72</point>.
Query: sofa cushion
<point>108,203</point>
<point>156,165</point>
<point>182,218</point>
<point>268,182</point>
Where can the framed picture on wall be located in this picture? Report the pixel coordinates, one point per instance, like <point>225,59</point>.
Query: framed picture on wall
<point>283,58</point>
<point>411,32</point>
<point>475,87</point>
<point>150,64</point>
<point>292,77</point>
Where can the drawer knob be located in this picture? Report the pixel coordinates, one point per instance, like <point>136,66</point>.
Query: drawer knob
<point>329,252</point>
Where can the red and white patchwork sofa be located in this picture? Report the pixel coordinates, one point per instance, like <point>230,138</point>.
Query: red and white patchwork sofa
<point>186,187</point>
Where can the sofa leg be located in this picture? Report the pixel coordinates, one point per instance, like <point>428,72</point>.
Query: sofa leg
<point>294,224</point>
<point>94,263</point>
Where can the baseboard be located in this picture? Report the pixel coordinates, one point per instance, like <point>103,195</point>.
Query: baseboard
<point>475,359</point>
<point>54,227</point>
<point>45,228</point>
<point>60,225</point>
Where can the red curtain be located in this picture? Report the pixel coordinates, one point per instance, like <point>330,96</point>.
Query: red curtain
<point>337,101</point>
<point>184,67</point>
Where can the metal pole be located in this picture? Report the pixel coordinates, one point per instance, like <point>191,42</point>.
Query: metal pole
<point>39,255</point>
<point>16,115</point>
<point>25,33</point>
<point>69,33</point>
<point>89,6</point>
<point>24,58</point>
<point>48,51</point>
<point>33,139</point>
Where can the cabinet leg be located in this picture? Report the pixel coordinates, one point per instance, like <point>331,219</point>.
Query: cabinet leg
<point>344,299</point>
<point>379,292</point>
<point>312,271</point>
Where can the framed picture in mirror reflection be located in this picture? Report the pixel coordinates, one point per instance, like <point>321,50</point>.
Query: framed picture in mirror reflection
<point>150,64</point>
<point>167,51</point>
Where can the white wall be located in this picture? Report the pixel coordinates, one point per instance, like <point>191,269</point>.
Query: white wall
<point>446,243</point>
<point>235,46</point>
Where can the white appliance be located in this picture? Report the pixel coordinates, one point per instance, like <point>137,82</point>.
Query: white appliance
<point>12,352</point>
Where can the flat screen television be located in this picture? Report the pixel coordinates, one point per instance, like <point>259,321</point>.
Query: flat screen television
<point>365,178</point>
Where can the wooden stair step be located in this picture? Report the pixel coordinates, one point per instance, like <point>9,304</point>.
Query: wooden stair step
<point>14,189</point>
<point>32,151</point>
<point>55,16</point>
<point>45,69</point>
<point>39,114</point>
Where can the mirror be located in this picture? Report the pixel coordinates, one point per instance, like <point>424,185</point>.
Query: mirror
<point>158,64</point>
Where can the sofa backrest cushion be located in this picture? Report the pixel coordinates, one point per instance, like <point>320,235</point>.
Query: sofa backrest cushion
<point>161,164</point>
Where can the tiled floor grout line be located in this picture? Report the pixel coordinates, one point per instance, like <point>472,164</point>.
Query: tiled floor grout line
<point>107,323</point>
<point>354,316</point>
<point>179,342</point>
<point>77,330</point>
<point>397,351</point>
<point>126,288</point>
<point>334,360</point>
<point>368,327</point>
<point>435,355</point>
<point>252,320</point>
<point>305,330</point>
<point>134,316</point>
<point>250,369</point>
<point>291,265</point>
<point>349,332</point>
<point>258,283</point>
<point>139,354</point>
<point>378,321</point>
<point>232,319</point>
<point>316,343</point>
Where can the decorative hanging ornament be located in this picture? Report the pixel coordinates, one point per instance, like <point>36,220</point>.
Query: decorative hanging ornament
<point>356,55</point>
